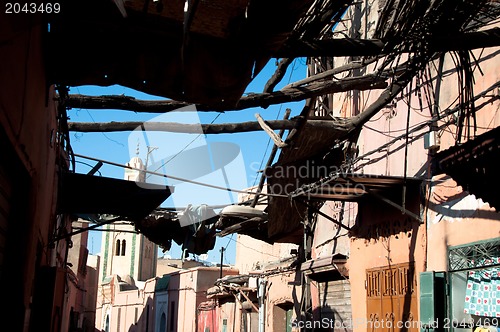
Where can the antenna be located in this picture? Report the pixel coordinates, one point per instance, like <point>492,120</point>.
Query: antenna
<point>150,150</point>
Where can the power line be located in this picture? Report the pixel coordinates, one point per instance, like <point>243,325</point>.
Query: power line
<point>260,252</point>
<point>184,148</point>
<point>306,188</point>
<point>248,192</point>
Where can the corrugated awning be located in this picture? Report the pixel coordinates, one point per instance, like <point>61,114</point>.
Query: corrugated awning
<point>325,268</point>
<point>354,187</point>
<point>473,165</point>
<point>87,194</point>
<point>345,187</point>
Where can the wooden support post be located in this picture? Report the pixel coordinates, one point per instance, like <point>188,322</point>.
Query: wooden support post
<point>248,299</point>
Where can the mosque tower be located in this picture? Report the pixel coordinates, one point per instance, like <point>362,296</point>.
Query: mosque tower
<point>123,251</point>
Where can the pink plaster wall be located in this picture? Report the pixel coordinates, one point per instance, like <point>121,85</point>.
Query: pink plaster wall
<point>330,238</point>
<point>187,288</point>
<point>401,240</point>
<point>126,302</point>
<point>252,254</point>
<point>466,220</point>
<point>473,219</point>
<point>281,289</point>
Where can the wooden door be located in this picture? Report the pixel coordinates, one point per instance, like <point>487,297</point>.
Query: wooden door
<point>391,299</point>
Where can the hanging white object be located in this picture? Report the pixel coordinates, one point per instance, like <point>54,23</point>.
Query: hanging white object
<point>242,211</point>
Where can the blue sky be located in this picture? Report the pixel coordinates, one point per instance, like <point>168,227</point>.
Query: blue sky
<point>119,147</point>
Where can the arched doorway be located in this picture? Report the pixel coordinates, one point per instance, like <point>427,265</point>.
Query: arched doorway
<point>163,323</point>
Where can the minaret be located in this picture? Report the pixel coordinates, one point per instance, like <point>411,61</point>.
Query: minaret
<point>123,251</point>
<point>133,174</point>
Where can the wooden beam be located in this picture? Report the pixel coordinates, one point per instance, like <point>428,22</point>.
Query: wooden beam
<point>331,72</point>
<point>276,139</point>
<point>222,128</point>
<point>373,47</point>
<point>127,103</point>
<point>278,74</point>
<point>248,299</point>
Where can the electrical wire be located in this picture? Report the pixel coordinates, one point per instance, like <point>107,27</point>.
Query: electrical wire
<point>446,114</point>
<point>93,120</point>
<point>260,252</point>
<point>229,241</point>
<point>379,131</point>
<point>184,148</point>
<point>89,165</point>
<point>178,178</point>
<point>411,127</point>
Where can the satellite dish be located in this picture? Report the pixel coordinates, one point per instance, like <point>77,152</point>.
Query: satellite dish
<point>203,257</point>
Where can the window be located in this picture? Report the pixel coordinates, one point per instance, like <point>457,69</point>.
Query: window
<point>117,248</point>
<point>121,247</point>
<point>474,279</point>
<point>224,325</point>
<point>172,317</point>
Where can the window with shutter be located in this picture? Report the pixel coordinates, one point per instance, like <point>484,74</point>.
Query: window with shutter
<point>432,300</point>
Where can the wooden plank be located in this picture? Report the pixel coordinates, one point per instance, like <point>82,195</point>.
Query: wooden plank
<point>248,299</point>
<point>221,128</point>
<point>336,303</point>
<point>338,295</point>
<point>337,299</point>
<point>339,283</point>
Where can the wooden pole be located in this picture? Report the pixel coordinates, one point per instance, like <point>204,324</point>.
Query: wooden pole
<point>221,260</point>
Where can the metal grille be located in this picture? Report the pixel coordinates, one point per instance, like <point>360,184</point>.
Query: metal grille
<point>476,255</point>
